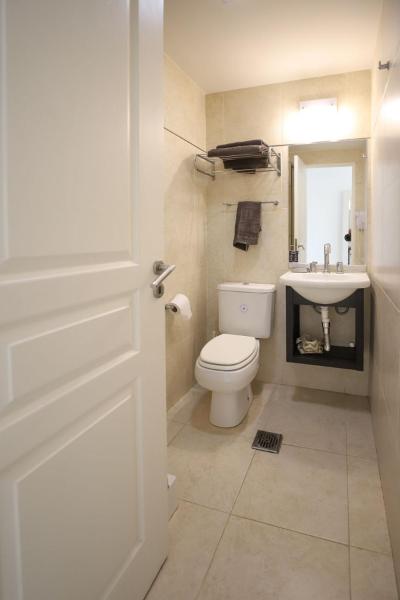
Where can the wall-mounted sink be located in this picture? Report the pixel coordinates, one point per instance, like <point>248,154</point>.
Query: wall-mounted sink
<point>325,288</point>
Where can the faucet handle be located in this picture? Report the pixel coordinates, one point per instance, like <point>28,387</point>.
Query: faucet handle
<point>339,267</point>
<point>313,266</point>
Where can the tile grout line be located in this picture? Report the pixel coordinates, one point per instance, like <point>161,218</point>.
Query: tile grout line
<point>229,515</point>
<point>378,552</point>
<point>243,435</point>
<point>175,421</point>
<point>177,433</point>
<point>291,445</point>
<point>348,508</point>
<point>315,537</point>
<point>316,449</point>
<point>295,531</point>
<point>212,557</point>
<point>224,512</point>
<point>244,479</point>
<point>184,425</point>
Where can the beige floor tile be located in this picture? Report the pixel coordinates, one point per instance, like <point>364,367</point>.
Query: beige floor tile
<point>299,489</point>
<point>367,517</point>
<point>182,411</point>
<point>259,562</point>
<point>172,429</point>
<point>263,391</point>
<point>356,413</point>
<point>372,576</point>
<point>209,467</point>
<point>194,532</point>
<point>360,437</point>
<point>247,428</point>
<point>307,418</point>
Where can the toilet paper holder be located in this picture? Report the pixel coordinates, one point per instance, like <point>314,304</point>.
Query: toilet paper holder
<point>180,305</point>
<point>170,306</point>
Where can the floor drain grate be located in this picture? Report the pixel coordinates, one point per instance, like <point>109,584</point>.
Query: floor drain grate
<point>267,441</point>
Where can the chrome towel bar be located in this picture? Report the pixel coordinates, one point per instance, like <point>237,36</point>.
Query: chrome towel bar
<point>274,202</point>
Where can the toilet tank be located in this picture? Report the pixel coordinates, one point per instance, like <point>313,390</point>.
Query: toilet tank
<point>246,308</point>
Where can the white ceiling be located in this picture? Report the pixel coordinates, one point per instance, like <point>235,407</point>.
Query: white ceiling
<point>230,44</point>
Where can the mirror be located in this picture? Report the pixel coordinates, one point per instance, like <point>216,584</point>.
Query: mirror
<point>328,201</point>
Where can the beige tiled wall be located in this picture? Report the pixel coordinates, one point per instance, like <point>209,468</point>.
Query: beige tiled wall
<point>262,112</point>
<point>265,111</point>
<point>185,226</point>
<point>384,261</point>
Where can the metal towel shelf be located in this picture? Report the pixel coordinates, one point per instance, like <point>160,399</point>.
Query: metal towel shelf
<point>213,162</point>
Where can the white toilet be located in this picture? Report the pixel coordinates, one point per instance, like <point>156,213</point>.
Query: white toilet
<point>229,362</point>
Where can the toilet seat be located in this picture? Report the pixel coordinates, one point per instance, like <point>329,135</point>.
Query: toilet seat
<point>228,352</point>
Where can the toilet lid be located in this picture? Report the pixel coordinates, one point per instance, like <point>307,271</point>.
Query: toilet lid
<point>228,350</point>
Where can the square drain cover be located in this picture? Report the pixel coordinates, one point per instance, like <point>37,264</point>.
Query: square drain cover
<point>267,441</point>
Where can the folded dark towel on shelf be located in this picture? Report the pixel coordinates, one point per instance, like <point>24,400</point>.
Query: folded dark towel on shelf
<point>245,143</point>
<point>245,165</point>
<point>247,225</point>
<point>250,151</point>
<point>242,156</point>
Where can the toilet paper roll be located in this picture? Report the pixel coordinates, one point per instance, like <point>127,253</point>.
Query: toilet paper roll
<point>181,303</point>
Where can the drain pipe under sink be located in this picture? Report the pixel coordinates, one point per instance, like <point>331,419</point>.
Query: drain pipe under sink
<point>325,327</point>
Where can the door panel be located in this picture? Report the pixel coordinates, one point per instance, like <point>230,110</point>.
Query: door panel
<point>34,364</point>
<point>82,380</point>
<point>67,119</point>
<point>102,443</point>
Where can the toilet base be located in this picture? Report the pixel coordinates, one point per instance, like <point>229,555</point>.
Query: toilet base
<point>228,409</point>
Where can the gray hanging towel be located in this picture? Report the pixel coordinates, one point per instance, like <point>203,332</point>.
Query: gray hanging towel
<point>247,225</point>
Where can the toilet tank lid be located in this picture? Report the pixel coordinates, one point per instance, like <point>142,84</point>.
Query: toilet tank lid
<point>258,288</point>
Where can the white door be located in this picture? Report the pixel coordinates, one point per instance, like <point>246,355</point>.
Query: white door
<point>82,423</point>
<point>300,206</point>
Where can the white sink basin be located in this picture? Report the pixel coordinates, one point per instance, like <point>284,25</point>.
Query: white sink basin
<point>325,288</point>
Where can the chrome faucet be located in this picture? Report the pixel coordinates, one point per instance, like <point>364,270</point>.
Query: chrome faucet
<point>327,251</point>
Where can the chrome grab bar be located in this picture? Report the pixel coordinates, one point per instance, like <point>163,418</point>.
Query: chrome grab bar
<point>162,270</point>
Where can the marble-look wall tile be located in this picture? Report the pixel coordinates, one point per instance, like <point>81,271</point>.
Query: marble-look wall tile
<point>184,104</point>
<point>266,111</point>
<point>215,120</point>
<point>352,91</point>
<point>185,218</point>
<point>253,113</point>
<point>384,265</point>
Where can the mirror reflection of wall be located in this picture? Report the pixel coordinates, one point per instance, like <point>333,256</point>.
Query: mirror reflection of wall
<point>328,209</point>
<point>328,201</point>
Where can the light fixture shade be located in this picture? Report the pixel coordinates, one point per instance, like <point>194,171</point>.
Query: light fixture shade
<point>318,120</point>
<point>326,105</point>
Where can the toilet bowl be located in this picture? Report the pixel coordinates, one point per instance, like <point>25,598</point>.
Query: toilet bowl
<point>227,365</point>
<point>229,362</point>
